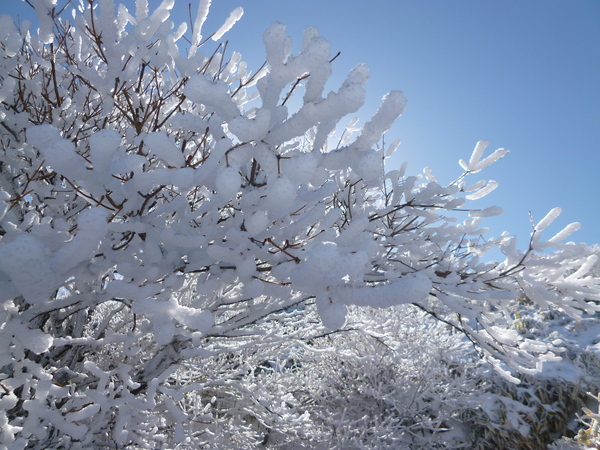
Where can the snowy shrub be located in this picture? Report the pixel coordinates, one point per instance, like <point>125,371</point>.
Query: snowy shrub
<point>586,438</point>
<point>555,396</point>
<point>167,225</point>
<point>566,444</point>
<point>591,436</point>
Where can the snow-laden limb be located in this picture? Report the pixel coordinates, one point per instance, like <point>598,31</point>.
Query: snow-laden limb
<point>161,212</point>
<point>476,164</point>
<point>234,16</point>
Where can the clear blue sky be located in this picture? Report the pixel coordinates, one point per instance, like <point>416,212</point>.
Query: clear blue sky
<point>523,74</point>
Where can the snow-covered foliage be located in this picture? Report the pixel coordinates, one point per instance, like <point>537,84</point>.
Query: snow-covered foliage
<point>591,437</point>
<point>180,253</point>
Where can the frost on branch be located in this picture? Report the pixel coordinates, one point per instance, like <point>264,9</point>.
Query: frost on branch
<point>162,210</point>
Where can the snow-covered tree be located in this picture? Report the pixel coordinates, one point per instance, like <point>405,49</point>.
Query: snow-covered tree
<point>168,224</point>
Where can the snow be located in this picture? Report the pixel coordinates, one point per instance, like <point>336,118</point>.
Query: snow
<point>499,153</point>
<point>454,203</point>
<point>320,261</point>
<point>228,182</point>
<point>483,191</point>
<point>266,158</point>
<point>474,187</point>
<point>257,222</point>
<point>196,319</point>
<point>170,238</point>
<point>411,288</point>
<point>127,164</point>
<point>254,129</point>
<point>43,8</point>
<point>84,413</point>
<point>11,40</point>
<point>203,90</point>
<point>589,264</point>
<point>486,212</point>
<point>61,156</point>
<point>161,146</point>
<point>91,228</point>
<point>141,10</point>
<point>356,227</point>
<point>392,148</point>
<point>245,265</point>
<point>281,193</point>
<point>254,288</point>
<point>476,164</point>
<point>182,178</point>
<point>548,219</point>
<point>565,232</point>
<point>159,312</point>
<point>302,167</point>
<point>392,107</point>
<point>42,135</point>
<point>347,100</point>
<point>316,83</point>
<point>201,16</point>
<point>333,315</point>
<point>162,314</point>
<point>234,16</point>
<point>369,166</point>
<point>27,263</point>
<point>35,340</point>
<point>103,145</point>
<point>476,155</point>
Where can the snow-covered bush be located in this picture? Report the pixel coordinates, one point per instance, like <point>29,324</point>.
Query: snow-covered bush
<point>555,396</point>
<point>591,436</point>
<point>586,438</point>
<point>167,225</point>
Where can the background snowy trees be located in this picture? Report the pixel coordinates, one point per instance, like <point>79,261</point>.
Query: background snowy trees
<point>187,246</point>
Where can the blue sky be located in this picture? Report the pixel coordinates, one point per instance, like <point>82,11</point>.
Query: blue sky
<point>523,74</point>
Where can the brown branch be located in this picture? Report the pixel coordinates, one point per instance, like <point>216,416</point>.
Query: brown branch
<point>289,94</point>
<point>54,80</point>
